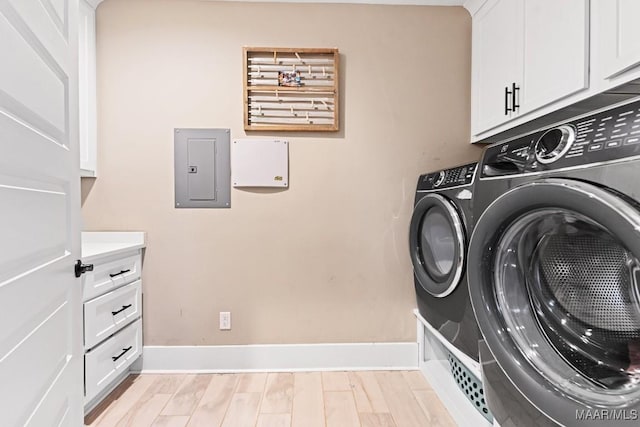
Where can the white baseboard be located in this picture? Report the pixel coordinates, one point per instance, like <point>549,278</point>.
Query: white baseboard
<point>279,357</point>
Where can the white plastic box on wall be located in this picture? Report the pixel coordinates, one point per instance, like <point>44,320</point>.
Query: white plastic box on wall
<point>260,163</point>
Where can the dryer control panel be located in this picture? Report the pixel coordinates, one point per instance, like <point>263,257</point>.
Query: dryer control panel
<point>604,136</point>
<point>454,177</point>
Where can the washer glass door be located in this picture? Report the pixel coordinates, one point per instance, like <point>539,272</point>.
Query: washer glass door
<point>437,245</point>
<point>437,242</point>
<point>580,281</point>
<point>556,292</point>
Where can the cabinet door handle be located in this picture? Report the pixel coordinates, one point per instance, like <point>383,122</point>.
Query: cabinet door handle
<point>124,307</point>
<point>124,351</point>
<point>507,95</point>
<point>117,274</point>
<point>516,97</point>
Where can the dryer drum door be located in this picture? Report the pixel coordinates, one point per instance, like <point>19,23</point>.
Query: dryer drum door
<point>553,277</point>
<point>437,244</point>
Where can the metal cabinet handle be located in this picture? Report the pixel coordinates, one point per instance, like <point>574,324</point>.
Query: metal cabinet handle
<point>118,274</point>
<point>124,351</point>
<point>124,307</point>
<point>507,94</point>
<point>514,91</point>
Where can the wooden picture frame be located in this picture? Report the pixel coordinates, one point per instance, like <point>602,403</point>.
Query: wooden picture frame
<point>291,89</point>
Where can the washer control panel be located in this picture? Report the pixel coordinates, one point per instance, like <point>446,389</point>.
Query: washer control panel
<point>554,143</point>
<point>608,135</point>
<point>454,177</point>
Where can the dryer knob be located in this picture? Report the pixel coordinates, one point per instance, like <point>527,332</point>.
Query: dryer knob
<point>440,179</point>
<point>554,143</point>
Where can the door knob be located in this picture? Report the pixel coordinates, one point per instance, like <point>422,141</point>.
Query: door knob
<point>81,268</point>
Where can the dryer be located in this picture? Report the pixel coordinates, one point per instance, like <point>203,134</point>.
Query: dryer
<point>554,272</point>
<point>439,233</point>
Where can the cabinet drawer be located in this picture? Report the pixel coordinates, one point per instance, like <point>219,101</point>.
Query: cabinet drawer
<point>107,314</point>
<point>111,358</point>
<point>110,274</point>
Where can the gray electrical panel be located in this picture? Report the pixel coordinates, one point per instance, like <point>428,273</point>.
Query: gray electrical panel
<point>201,167</point>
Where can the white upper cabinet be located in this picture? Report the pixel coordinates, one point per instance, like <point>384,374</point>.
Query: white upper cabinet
<point>497,63</point>
<point>556,51</point>
<point>617,36</point>
<point>526,54</point>
<point>87,89</point>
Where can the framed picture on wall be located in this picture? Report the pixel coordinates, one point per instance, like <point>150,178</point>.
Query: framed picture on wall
<point>291,89</point>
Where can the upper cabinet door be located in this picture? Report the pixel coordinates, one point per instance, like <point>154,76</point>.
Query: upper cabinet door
<point>555,50</point>
<point>497,61</point>
<point>618,36</point>
<point>87,88</point>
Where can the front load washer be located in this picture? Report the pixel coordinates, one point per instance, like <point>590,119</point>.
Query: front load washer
<point>440,228</point>
<point>554,272</point>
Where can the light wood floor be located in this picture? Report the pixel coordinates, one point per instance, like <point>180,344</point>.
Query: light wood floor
<point>309,399</point>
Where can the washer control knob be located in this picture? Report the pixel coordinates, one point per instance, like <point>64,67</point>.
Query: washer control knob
<point>554,143</point>
<point>440,179</point>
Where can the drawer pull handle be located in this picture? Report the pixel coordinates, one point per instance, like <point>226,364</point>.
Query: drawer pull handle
<point>117,274</point>
<point>124,307</point>
<point>124,351</point>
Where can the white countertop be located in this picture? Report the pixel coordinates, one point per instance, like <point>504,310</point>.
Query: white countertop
<point>97,244</point>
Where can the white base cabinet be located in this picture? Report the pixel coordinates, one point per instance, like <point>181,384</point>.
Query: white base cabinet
<point>112,309</point>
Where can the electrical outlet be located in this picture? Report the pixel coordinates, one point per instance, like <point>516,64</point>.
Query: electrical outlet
<point>225,320</point>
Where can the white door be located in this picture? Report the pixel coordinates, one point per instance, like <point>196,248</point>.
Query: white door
<point>497,61</point>
<point>555,52</point>
<point>618,33</point>
<point>40,310</point>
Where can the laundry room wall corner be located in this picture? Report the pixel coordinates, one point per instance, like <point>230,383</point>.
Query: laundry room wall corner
<point>325,261</point>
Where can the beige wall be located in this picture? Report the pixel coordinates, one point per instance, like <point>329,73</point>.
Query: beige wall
<point>324,261</point>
